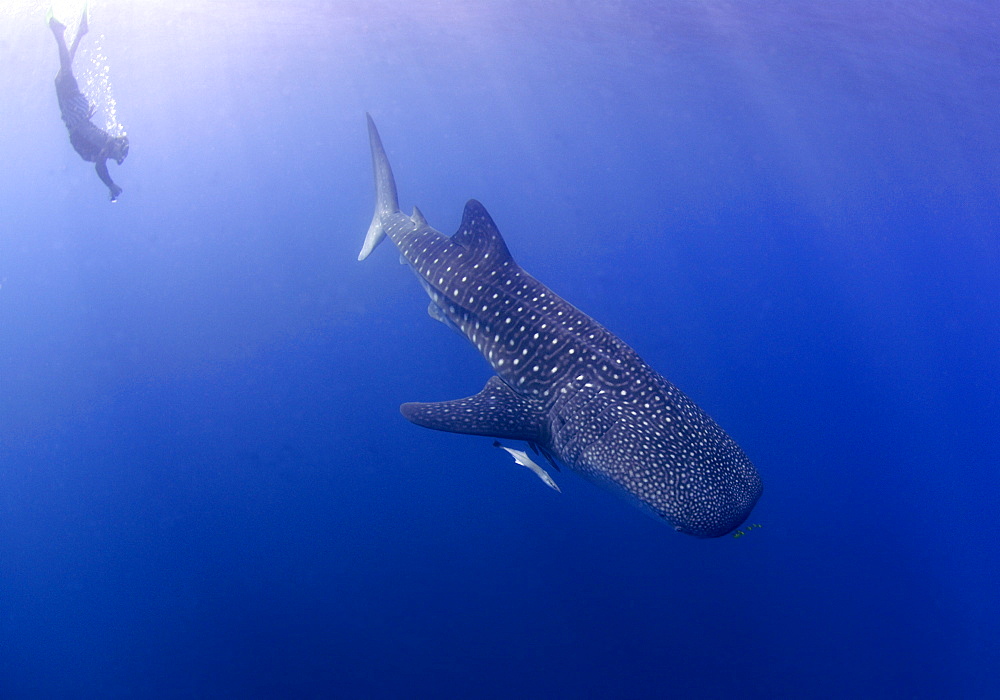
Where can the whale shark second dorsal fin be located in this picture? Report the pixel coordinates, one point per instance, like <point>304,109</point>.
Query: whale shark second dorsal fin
<point>418,217</point>
<point>496,411</point>
<point>479,234</point>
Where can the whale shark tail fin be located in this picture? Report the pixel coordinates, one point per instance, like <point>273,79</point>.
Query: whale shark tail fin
<point>386,201</point>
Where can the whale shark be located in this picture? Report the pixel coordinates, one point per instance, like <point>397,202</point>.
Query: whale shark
<point>563,383</point>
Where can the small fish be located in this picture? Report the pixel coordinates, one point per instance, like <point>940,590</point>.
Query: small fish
<point>522,458</point>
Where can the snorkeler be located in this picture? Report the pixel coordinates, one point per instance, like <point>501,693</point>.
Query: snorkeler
<point>95,145</point>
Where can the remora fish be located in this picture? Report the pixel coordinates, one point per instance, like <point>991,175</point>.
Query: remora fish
<point>521,457</point>
<point>563,381</point>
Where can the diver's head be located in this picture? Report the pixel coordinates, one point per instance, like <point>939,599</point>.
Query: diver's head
<point>119,149</point>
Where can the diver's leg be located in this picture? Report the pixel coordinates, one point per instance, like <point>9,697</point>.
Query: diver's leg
<point>81,30</point>
<point>58,29</point>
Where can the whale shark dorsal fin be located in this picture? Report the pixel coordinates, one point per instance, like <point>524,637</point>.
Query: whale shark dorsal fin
<point>479,234</point>
<point>496,411</point>
<point>418,217</point>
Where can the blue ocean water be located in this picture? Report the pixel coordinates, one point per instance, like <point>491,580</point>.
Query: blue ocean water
<point>789,209</point>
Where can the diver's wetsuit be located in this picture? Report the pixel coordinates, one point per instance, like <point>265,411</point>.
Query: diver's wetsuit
<point>90,141</point>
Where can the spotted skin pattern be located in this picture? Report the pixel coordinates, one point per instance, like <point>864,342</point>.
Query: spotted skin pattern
<point>563,381</point>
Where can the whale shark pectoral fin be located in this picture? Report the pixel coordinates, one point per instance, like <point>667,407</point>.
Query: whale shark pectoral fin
<point>496,411</point>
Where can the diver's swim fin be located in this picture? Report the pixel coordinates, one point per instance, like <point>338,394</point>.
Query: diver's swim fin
<point>52,23</point>
<point>84,24</point>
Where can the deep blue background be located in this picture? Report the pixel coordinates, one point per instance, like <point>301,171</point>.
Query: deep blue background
<point>206,488</point>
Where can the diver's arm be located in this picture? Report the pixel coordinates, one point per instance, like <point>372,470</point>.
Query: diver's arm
<point>102,172</point>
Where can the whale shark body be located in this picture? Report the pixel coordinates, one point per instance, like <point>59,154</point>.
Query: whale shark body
<point>563,382</point>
